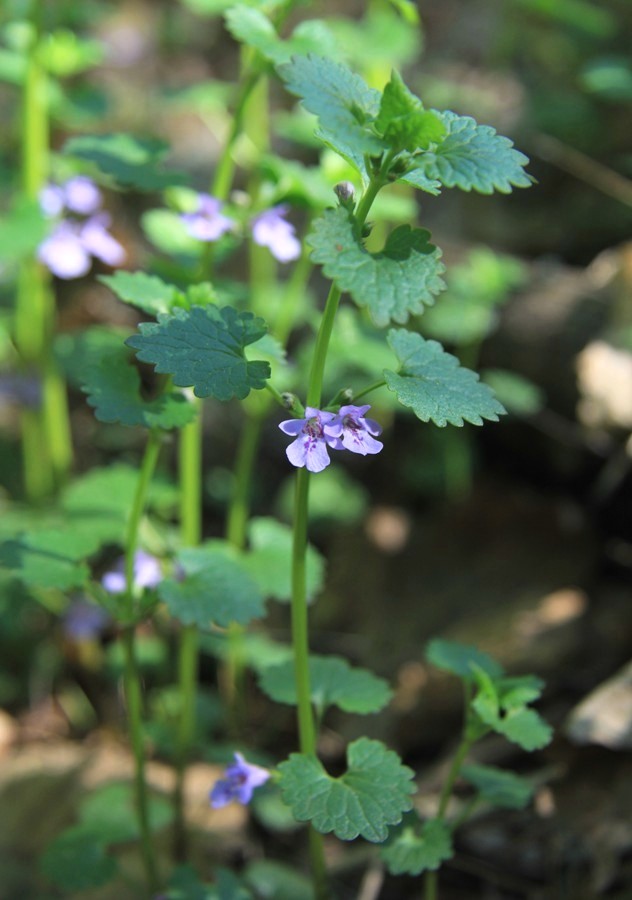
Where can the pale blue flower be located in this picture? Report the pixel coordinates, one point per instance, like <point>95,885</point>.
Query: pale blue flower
<point>270,229</point>
<point>84,620</point>
<point>238,784</point>
<point>207,222</point>
<point>68,251</point>
<point>313,434</point>
<point>147,573</point>
<point>357,431</point>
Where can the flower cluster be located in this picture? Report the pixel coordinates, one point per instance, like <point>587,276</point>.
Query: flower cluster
<point>269,228</point>
<point>241,779</point>
<point>147,573</point>
<point>348,429</point>
<point>80,231</point>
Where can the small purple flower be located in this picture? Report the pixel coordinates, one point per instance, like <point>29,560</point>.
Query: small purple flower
<point>313,433</point>
<point>239,783</point>
<point>271,230</point>
<point>99,242</point>
<point>357,431</point>
<point>147,573</point>
<point>84,621</point>
<point>79,195</point>
<point>69,249</point>
<point>207,223</point>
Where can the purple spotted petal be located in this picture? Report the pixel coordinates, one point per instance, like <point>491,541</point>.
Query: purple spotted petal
<point>100,243</point>
<point>357,431</point>
<point>63,252</point>
<point>81,195</point>
<point>271,230</point>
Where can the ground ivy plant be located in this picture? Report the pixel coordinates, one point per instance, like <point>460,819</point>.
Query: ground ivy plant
<point>207,337</point>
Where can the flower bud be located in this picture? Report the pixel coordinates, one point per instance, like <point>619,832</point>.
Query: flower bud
<point>345,191</point>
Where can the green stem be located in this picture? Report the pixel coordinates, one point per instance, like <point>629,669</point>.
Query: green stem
<point>367,390</point>
<point>46,441</point>
<point>244,466</point>
<point>132,680</point>
<point>300,623</point>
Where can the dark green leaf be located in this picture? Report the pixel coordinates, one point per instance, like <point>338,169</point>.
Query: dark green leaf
<point>433,384</point>
<point>133,162</point>
<point>112,386</point>
<point>460,659</point>
<point>109,812</point>
<point>204,347</point>
<point>77,860</point>
<point>371,795</point>
<point>333,683</point>
<point>411,850</point>
<point>217,588</point>
<point>395,283</point>
<point>505,789</point>
<point>273,880</point>
<point>146,292</point>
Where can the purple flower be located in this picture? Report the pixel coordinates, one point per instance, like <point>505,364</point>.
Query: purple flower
<point>271,230</point>
<point>83,620</point>
<point>147,573</point>
<point>313,433</point>
<point>239,783</point>
<point>79,195</point>
<point>207,223</point>
<point>69,249</point>
<point>357,432</point>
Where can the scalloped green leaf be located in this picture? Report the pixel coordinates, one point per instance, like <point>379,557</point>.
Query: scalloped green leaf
<point>460,659</point>
<point>473,157</point>
<point>395,283</point>
<point>433,384</point>
<point>411,850</point>
<point>77,860</point>
<point>344,103</point>
<point>132,162</point>
<point>216,588</point>
<point>50,558</point>
<point>203,347</point>
<point>333,682</point>
<point>270,560</point>
<point>146,292</point>
<point>372,794</point>
<point>112,386</point>
<point>250,26</point>
<point>403,121</point>
<point>501,788</point>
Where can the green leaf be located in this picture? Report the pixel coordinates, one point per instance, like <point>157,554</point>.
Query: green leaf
<point>167,232</point>
<point>403,121</point>
<point>395,283</point>
<point>204,347</point>
<point>273,880</point>
<point>217,588</point>
<point>269,560</point>
<point>333,683</point>
<point>345,105</point>
<point>460,659</point>
<point>505,789</point>
<point>411,851</point>
<point>77,860</point>
<point>250,26</point>
<point>109,812</point>
<point>76,351</point>
<point>433,384</point>
<point>64,54</point>
<point>132,162</point>
<point>474,157</point>
<point>371,795</point>
<point>146,292</point>
<point>50,558</point>
<point>112,386</point>
<point>501,706</point>
<point>21,231</point>
<point>518,394</point>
